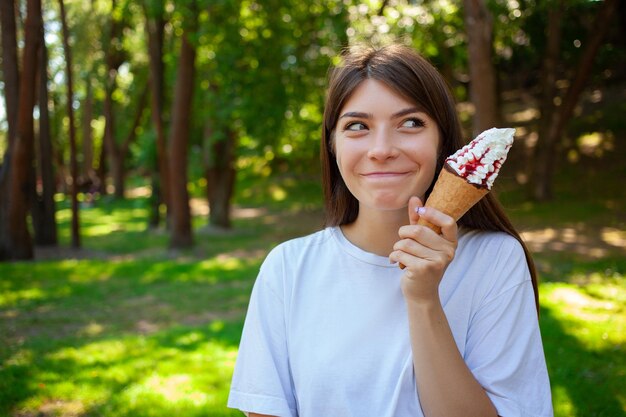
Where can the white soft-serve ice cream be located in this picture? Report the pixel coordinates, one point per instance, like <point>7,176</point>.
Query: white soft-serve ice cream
<point>479,161</point>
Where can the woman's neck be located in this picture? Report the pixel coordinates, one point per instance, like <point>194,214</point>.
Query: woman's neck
<point>375,231</point>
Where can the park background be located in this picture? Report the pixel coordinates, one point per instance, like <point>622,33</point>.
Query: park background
<point>154,152</point>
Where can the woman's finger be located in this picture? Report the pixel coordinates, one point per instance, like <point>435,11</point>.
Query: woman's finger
<point>414,248</point>
<point>446,223</point>
<point>414,204</point>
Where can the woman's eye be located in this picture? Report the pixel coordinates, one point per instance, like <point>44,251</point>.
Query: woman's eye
<point>413,122</point>
<point>355,126</point>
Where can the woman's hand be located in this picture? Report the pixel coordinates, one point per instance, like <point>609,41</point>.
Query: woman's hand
<point>425,254</point>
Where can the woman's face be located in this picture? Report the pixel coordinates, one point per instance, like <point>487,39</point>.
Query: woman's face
<point>386,147</point>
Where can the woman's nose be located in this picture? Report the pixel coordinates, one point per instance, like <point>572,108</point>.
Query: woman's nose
<point>382,146</point>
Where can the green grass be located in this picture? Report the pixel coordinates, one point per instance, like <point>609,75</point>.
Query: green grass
<point>127,327</point>
<point>130,328</point>
<point>112,337</point>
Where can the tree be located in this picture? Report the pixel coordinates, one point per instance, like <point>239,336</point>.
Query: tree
<point>220,174</point>
<point>43,210</point>
<point>181,234</point>
<point>88,172</point>
<point>10,70</point>
<point>155,25</point>
<point>114,57</point>
<point>72,128</point>
<point>554,120</point>
<point>20,164</point>
<point>264,66</point>
<point>479,27</point>
<point>10,66</point>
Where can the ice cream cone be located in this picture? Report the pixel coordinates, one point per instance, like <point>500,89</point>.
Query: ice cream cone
<point>468,174</point>
<point>452,195</point>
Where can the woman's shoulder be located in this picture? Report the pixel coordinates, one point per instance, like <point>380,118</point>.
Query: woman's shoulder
<point>492,253</point>
<point>493,242</point>
<point>496,260</point>
<point>297,247</point>
<point>282,264</point>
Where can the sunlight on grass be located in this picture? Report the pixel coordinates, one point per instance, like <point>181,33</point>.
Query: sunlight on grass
<point>209,271</point>
<point>601,322</point>
<point>22,357</point>
<point>107,224</point>
<point>104,352</point>
<point>563,405</point>
<point>584,331</point>
<point>172,389</point>
<point>614,236</point>
<point>9,298</point>
<point>168,372</point>
<point>228,263</point>
<point>92,329</point>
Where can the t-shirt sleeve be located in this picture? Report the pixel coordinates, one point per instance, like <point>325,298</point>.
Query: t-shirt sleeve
<point>504,349</point>
<point>262,381</point>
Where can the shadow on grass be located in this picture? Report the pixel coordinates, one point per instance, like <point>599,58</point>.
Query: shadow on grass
<point>121,338</point>
<point>585,382</point>
<point>182,371</point>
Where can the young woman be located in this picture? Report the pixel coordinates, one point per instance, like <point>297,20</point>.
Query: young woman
<point>335,328</point>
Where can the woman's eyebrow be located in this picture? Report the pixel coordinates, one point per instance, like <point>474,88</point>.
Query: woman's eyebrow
<point>405,112</point>
<point>362,115</point>
<point>356,114</point>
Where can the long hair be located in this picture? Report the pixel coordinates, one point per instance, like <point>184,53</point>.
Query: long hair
<point>410,75</point>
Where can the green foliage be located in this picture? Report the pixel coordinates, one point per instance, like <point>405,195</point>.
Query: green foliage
<point>520,40</point>
<point>262,67</point>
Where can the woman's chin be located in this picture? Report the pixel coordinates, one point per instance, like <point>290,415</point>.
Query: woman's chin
<point>388,205</point>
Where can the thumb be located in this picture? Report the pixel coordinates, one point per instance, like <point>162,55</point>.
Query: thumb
<point>414,203</point>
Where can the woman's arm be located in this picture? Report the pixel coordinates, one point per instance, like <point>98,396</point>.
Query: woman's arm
<point>445,385</point>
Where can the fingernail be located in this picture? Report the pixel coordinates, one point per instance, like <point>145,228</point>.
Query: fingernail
<point>420,210</point>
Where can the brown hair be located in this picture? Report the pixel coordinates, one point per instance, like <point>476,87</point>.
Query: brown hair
<point>407,73</point>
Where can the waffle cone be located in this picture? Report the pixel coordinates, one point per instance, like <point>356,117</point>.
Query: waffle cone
<point>452,195</point>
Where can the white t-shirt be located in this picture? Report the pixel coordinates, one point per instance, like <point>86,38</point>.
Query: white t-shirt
<point>326,334</point>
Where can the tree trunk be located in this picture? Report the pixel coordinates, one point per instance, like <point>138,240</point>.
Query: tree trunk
<point>113,59</point>
<point>88,167</point>
<point>72,129</point>
<point>479,27</point>
<point>101,171</point>
<point>118,168</point>
<point>44,221</point>
<point>21,163</point>
<point>220,175</point>
<point>540,165</point>
<point>155,200</point>
<point>181,235</point>
<point>555,126</point>
<point>109,137</point>
<point>155,25</point>
<point>10,67</point>
<point>10,72</point>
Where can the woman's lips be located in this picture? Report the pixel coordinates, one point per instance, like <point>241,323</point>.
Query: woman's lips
<point>384,175</point>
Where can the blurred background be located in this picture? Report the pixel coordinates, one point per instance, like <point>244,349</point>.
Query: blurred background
<point>153,152</point>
